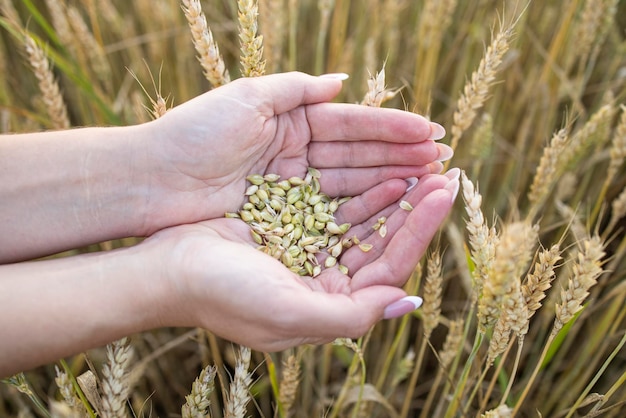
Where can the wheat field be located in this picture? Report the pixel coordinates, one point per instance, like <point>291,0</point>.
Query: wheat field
<point>524,287</point>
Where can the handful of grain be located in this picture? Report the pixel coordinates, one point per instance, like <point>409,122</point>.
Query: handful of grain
<point>293,221</point>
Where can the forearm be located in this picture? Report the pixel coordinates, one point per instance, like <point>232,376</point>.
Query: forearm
<point>64,189</point>
<point>55,308</point>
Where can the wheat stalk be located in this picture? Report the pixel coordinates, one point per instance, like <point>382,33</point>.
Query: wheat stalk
<point>50,91</point>
<point>198,401</point>
<point>115,388</point>
<point>252,62</point>
<point>208,52</point>
<point>239,394</point>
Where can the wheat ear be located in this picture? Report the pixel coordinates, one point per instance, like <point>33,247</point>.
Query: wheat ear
<point>48,86</point>
<point>476,90</point>
<point>67,391</point>
<point>115,388</point>
<point>252,62</point>
<point>208,52</point>
<point>540,280</point>
<point>289,384</point>
<point>198,401</point>
<point>239,394</point>
<point>431,308</point>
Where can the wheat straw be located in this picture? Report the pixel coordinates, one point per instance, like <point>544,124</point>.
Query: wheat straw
<point>115,388</point>
<point>476,90</point>
<point>272,21</point>
<point>585,272</point>
<point>198,401</point>
<point>289,384</point>
<point>252,62</point>
<point>50,91</point>
<point>92,48</point>
<point>239,394</point>
<point>431,308</point>
<point>208,52</point>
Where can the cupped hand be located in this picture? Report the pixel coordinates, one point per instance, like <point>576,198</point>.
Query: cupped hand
<point>283,123</point>
<point>218,280</point>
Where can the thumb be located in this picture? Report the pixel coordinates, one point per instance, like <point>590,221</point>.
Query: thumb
<point>287,91</point>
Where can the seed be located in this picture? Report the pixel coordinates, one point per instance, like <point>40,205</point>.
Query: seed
<point>317,270</point>
<point>406,205</point>
<point>333,228</point>
<point>271,178</point>
<point>313,249</point>
<point>231,215</point>
<point>343,269</point>
<point>330,262</point>
<point>287,259</point>
<point>314,172</point>
<point>382,231</point>
<point>251,190</point>
<point>256,237</point>
<point>256,179</point>
<point>365,247</point>
<point>263,195</point>
<point>322,217</point>
<point>336,249</point>
<point>316,198</point>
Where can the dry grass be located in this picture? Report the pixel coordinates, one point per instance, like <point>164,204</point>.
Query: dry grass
<point>533,100</point>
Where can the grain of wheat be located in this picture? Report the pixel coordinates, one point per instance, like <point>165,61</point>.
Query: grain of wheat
<point>208,51</point>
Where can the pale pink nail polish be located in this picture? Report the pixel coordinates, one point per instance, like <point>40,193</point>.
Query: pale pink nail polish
<point>411,182</point>
<point>445,152</point>
<point>453,173</point>
<point>402,307</point>
<point>336,76</point>
<point>453,187</point>
<point>436,131</point>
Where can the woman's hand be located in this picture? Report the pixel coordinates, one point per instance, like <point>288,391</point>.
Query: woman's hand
<point>203,149</point>
<point>221,282</point>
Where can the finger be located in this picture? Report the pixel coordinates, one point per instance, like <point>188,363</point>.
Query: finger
<point>407,246</point>
<point>354,181</point>
<point>287,91</point>
<point>375,153</point>
<point>351,122</point>
<point>362,207</point>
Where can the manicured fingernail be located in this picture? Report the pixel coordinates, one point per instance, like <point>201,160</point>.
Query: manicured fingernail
<point>402,307</point>
<point>453,188</point>
<point>436,131</point>
<point>412,182</point>
<point>453,173</point>
<point>336,76</point>
<point>445,152</point>
<point>435,167</point>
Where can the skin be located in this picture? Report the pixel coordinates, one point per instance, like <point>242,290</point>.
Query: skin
<point>171,180</point>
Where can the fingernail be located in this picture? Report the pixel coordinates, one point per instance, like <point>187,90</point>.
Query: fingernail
<point>336,76</point>
<point>445,152</point>
<point>453,173</point>
<point>435,167</point>
<point>402,307</point>
<point>436,131</point>
<point>453,188</point>
<point>412,182</point>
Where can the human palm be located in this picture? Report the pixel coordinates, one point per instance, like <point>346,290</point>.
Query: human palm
<point>223,283</point>
<point>283,124</point>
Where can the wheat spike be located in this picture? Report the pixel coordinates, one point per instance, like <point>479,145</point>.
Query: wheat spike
<point>89,45</point>
<point>208,52</point>
<point>452,344</point>
<point>618,209</point>
<point>239,394</point>
<point>115,388</point>
<point>198,401</point>
<point>590,31</point>
<point>546,174</point>
<point>50,91</point>
<point>540,280</point>
<point>68,392</point>
<point>289,384</point>
<point>618,147</point>
<point>482,240</point>
<point>252,62</point>
<point>499,339</point>
<point>476,90</point>
<point>502,411</point>
<point>58,14</point>
<point>585,272</point>
<point>431,308</point>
